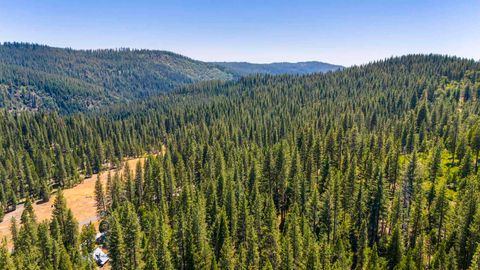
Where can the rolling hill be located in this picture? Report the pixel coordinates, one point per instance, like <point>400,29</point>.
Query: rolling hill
<point>37,76</point>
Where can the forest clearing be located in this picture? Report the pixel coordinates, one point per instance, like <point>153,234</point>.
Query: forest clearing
<point>80,198</point>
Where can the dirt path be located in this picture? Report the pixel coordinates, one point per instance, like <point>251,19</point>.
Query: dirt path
<point>80,199</point>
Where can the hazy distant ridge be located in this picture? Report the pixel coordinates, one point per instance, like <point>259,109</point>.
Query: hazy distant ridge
<point>245,68</point>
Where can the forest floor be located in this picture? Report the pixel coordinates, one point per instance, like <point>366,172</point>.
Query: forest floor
<point>81,199</point>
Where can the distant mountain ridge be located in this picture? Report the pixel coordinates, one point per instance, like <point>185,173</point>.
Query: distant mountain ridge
<point>245,68</point>
<point>36,76</point>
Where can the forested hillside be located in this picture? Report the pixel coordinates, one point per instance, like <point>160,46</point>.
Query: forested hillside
<point>36,76</point>
<point>371,167</point>
<point>244,68</point>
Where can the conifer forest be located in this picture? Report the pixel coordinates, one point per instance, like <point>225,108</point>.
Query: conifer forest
<point>368,167</point>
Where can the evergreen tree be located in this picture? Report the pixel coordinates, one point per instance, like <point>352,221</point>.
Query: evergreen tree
<point>465,244</point>
<point>116,244</point>
<point>132,237</point>
<point>475,143</point>
<point>163,247</point>
<point>394,249</point>
<point>466,166</point>
<point>408,190</point>
<point>375,209</point>
<point>6,262</point>
<point>100,198</point>
<point>87,238</point>
<point>138,184</point>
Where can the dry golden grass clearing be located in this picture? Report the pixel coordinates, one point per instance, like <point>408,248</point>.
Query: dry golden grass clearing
<point>81,199</point>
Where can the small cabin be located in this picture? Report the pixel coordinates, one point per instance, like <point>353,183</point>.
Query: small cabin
<point>100,257</point>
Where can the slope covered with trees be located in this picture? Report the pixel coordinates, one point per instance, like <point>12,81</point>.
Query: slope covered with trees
<point>371,167</point>
<point>36,76</point>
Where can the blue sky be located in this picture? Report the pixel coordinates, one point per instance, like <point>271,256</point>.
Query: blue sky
<point>341,32</point>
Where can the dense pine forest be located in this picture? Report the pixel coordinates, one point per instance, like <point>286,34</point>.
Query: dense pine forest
<point>38,77</point>
<point>34,76</point>
<point>370,167</point>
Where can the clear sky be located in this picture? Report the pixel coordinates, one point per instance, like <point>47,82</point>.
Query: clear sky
<point>340,32</point>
